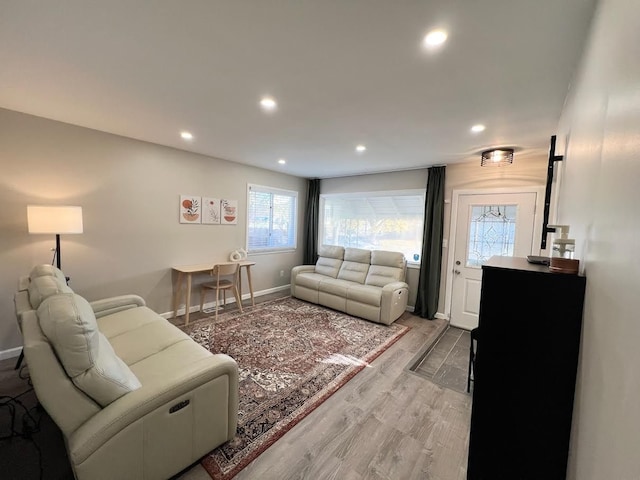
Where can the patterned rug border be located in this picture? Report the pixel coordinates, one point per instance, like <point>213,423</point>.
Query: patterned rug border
<point>210,465</point>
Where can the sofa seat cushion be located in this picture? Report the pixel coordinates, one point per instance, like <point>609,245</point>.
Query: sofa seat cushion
<point>310,280</point>
<point>69,324</point>
<point>367,294</point>
<point>179,358</point>
<point>335,287</point>
<point>121,322</point>
<point>145,341</point>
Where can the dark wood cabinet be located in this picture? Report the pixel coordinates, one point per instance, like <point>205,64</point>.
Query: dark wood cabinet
<point>525,371</point>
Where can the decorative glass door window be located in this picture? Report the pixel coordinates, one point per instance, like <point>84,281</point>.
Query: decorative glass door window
<point>492,231</point>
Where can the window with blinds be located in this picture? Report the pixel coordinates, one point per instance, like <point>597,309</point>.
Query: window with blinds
<point>271,219</point>
<point>375,220</point>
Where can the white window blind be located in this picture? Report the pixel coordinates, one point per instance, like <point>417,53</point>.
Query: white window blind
<point>271,219</point>
<point>376,220</point>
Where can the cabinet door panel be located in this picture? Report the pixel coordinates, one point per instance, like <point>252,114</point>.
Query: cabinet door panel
<point>530,322</point>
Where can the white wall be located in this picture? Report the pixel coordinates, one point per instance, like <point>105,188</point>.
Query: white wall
<point>599,197</point>
<point>129,192</point>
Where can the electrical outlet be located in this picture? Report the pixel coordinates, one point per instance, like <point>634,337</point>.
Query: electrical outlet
<point>281,273</point>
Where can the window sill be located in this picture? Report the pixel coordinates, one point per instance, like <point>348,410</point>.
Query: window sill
<point>269,252</point>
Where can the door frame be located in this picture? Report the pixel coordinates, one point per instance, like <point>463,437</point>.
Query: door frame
<point>455,198</point>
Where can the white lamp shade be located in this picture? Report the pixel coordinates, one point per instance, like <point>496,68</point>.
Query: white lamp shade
<point>54,219</point>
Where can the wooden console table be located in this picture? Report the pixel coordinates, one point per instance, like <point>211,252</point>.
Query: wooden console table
<point>189,270</point>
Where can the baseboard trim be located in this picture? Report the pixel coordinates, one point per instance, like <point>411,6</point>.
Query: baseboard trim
<point>10,353</point>
<point>209,305</point>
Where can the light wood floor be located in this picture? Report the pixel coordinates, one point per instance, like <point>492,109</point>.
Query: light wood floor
<point>385,423</point>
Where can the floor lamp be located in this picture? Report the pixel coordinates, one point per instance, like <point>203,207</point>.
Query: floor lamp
<point>54,219</point>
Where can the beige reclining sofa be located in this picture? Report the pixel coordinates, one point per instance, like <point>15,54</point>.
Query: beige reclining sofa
<point>134,396</point>
<point>364,283</point>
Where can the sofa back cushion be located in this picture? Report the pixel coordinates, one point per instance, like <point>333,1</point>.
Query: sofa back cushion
<point>69,324</point>
<point>329,260</point>
<point>46,270</point>
<point>355,265</point>
<point>386,267</point>
<point>43,287</point>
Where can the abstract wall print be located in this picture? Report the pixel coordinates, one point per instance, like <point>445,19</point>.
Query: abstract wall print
<point>210,211</point>
<point>190,209</point>
<point>229,212</point>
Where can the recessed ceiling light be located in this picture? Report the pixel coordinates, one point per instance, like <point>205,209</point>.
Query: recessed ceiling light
<point>478,128</point>
<point>268,103</point>
<point>282,161</point>
<point>434,38</point>
<point>186,135</point>
<point>360,148</point>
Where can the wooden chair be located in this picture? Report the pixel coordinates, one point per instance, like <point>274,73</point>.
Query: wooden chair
<point>226,278</point>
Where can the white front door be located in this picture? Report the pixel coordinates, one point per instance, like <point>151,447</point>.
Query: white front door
<point>486,225</point>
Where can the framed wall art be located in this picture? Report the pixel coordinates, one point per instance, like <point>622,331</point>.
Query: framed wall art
<point>190,209</point>
<point>229,212</point>
<point>210,211</point>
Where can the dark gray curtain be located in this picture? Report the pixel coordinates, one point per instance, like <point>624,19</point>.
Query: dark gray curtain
<point>429,282</point>
<point>311,226</point>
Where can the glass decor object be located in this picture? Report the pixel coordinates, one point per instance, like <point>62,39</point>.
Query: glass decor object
<point>492,231</point>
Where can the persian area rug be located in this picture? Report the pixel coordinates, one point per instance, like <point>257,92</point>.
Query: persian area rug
<point>292,356</point>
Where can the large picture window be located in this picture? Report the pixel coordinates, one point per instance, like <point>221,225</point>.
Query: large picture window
<point>376,220</point>
<point>271,219</point>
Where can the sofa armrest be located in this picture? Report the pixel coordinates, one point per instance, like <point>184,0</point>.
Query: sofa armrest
<point>107,306</point>
<point>68,406</point>
<point>21,306</point>
<point>393,302</point>
<point>133,406</point>
<point>302,269</point>
<point>393,286</point>
<point>23,283</point>
<point>295,271</point>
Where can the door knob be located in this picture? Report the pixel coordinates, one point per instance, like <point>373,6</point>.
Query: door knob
<point>457,272</point>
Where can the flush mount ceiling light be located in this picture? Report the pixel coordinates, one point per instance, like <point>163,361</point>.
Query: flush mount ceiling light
<point>497,157</point>
<point>282,161</point>
<point>268,104</point>
<point>360,148</point>
<point>434,38</point>
<point>478,128</point>
<point>186,135</point>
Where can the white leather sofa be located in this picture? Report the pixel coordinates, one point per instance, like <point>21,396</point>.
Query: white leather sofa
<point>134,397</point>
<point>364,283</point>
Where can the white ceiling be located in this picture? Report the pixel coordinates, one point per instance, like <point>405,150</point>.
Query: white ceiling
<point>343,72</point>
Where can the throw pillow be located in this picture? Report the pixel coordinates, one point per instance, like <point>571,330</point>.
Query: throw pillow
<point>41,288</point>
<point>69,323</point>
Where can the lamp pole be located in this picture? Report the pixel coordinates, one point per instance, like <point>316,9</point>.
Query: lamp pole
<point>58,251</point>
